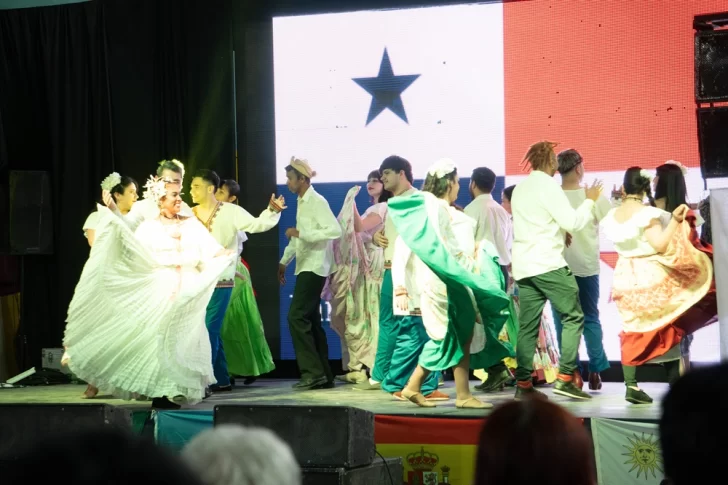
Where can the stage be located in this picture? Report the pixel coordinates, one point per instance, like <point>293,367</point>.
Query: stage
<point>438,444</point>
<point>607,403</point>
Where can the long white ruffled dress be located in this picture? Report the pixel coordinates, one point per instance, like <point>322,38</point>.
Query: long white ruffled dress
<point>136,324</point>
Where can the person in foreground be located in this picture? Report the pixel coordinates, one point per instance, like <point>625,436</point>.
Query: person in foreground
<point>541,216</point>
<point>534,442</point>
<point>311,244</point>
<point>439,270</point>
<point>663,285</point>
<point>136,323</point>
<point>234,455</point>
<point>691,434</point>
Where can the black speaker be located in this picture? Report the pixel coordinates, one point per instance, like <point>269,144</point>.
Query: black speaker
<point>712,142</point>
<point>711,66</point>
<point>21,425</point>
<point>381,472</point>
<point>320,436</point>
<point>30,218</point>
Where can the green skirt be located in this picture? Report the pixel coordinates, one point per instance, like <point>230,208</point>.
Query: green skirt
<point>243,337</point>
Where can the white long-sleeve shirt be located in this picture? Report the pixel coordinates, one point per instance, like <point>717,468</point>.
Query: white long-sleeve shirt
<point>493,224</point>
<point>541,214</point>
<point>317,229</point>
<point>583,254</point>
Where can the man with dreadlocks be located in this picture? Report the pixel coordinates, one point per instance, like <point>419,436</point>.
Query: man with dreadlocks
<point>542,215</point>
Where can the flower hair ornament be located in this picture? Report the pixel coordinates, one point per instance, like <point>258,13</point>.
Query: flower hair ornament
<point>156,188</point>
<point>682,167</point>
<point>110,182</point>
<point>646,175</point>
<point>442,168</point>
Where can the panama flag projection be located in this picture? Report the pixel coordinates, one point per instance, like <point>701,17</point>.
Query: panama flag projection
<point>478,84</point>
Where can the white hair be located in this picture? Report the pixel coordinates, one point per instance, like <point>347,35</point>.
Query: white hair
<point>235,455</point>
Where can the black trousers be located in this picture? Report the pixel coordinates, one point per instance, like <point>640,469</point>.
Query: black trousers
<point>307,332</point>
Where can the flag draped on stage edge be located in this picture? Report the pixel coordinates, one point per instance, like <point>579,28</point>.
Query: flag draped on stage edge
<point>627,452</point>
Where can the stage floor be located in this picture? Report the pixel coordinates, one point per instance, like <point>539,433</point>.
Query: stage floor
<point>607,403</point>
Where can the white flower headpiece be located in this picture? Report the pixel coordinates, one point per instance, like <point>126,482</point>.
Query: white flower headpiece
<point>683,168</point>
<point>111,181</point>
<point>442,167</point>
<point>646,175</point>
<point>156,188</point>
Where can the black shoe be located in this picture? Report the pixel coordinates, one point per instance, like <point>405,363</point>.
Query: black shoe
<point>310,383</point>
<point>568,389</point>
<point>232,381</point>
<point>495,382</point>
<point>637,397</point>
<point>164,403</point>
<point>216,388</point>
<point>528,393</point>
<point>249,380</point>
<point>328,385</point>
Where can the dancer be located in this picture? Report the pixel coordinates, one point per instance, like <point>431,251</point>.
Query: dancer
<point>143,210</point>
<point>123,190</point>
<point>243,335</point>
<point>493,221</point>
<point>541,215</point>
<point>310,243</point>
<point>355,286</point>
<point>401,338</point>
<point>546,356</point>
<point>582,256</point>
<point>663,284</point>
<point>225,221</point>
<point>136,320</point>
<point>671,192</point>
<point>435,270</point>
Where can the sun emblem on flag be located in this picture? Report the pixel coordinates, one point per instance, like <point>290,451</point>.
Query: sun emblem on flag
<point>644,455</point>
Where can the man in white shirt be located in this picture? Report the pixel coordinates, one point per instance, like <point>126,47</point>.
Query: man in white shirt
<point>494,223</point>
<point>225,221</point>
<point>582,255</point>
<point>311,244</point>
<point>541,215</point>
<point>401,337</point>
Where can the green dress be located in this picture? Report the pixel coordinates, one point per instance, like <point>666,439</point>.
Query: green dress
<point>424,225</point>
<point>243,337</point>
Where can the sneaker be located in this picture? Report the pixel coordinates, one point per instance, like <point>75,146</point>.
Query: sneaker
<point>568,389</point>
<point>368,386</point>
<point>495,382</point>
<point>356,377</point>
<point>637,396</point>
<point>523,393</point>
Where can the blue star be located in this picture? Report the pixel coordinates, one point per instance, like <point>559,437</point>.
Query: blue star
<point>386,90</point>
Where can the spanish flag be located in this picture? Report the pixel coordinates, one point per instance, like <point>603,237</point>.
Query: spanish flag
<point>433,450</point>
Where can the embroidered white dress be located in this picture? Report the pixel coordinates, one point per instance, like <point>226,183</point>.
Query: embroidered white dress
<point>136,324</point>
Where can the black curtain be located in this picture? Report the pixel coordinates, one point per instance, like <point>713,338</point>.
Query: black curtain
<point>102,86</point>
<point>55,105</point>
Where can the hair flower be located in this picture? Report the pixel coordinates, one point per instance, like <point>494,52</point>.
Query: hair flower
<point>682,167</point>
<point>155,188</point>
<point>442,167</point>
<point>646,175</point>
<point>110,182</point>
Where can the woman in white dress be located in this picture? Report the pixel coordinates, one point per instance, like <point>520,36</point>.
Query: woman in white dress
<point>663,283</point>
<point>123,190</point>
<point>354,288</point>
<point>136,324</point>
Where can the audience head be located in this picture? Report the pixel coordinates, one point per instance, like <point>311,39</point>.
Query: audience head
<point>482,181</point>
<point>375,188</point>
<point>442,180</point>
<point>229,191</point>
<point>670,185</point>
<point>691,433</point>
<point>103,455</point>
<point>234,455</point>
<point>396,174</point>
<point>541,157</point>
<point>637,182</point>
<point>534,441</point>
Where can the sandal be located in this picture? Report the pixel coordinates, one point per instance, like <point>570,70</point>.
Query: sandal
<point>472,403</point>
<point>417,398</point>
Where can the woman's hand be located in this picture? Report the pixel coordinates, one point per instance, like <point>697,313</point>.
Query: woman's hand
<point>680,213</point>
<point>108,200</point>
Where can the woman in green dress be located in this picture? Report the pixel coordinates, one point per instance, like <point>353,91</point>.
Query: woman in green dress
<point>456,283</point>
<point>243,336</point>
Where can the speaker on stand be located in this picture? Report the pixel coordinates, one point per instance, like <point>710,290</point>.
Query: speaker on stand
<point>29,232</point>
